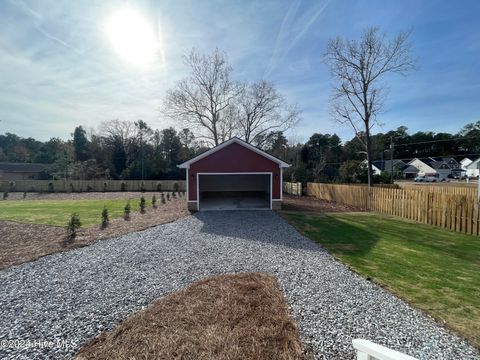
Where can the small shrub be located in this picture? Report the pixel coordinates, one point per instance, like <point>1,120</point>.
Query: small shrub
<point>176,187</point>
<point>142,205</point>
<point>126,211</point>
<point>142,187</point>
<point>159,187</point>
<point>73,225</point>
<point>123,186</point>
<point>168,196</point>
<point>72,189</point>
<point>174,195</point>
<point>12,185</point>
<point>154,201</point>
<point>163,198</point>
<point>50,187</point>
<point>24,195</point>
<point>105,187</point>
<point>105,218</point>
<point>5,195</point>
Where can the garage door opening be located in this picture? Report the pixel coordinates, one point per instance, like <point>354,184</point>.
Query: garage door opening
<point>234,191</point>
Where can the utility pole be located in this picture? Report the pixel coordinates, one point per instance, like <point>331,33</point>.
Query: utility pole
<point>478,184</point>
<point>391,158</point>
<point>141,150</point>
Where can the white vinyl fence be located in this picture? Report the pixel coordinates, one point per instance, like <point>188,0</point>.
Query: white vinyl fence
<point>292,188</point>
<point>367,350</point>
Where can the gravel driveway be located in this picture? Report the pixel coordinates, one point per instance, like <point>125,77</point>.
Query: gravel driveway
<point>67,298</point>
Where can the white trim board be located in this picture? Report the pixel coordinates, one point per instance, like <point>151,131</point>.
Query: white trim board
<point>234,173</point>
<point>186,164</point>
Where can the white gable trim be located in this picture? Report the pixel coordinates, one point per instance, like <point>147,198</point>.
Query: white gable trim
<point>187,164</point>
<point>473,164</point>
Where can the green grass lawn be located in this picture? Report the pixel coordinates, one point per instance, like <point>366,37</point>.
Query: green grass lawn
<point>435,270</point>
<point>57,212</point>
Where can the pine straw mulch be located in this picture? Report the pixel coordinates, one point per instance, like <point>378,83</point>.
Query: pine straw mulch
<point>225,317</point>
<point>312,204</point>
<point>20,243</point>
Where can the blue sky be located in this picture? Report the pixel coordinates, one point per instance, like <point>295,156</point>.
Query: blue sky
<point>59,68</point>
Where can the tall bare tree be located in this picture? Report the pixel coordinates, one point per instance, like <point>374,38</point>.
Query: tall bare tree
<point>261,110</point>
<point>202,99</point>
<point>359,68</point>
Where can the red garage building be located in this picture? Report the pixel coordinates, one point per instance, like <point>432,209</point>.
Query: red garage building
<point>234,175</point>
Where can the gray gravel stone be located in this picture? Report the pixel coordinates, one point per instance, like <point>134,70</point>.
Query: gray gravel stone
<point>70,297</point>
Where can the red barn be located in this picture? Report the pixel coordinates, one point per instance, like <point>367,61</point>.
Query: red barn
<point>234,175</point>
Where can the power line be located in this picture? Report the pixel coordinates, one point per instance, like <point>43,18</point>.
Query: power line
<point>414,157</point>
<point>439,140</point>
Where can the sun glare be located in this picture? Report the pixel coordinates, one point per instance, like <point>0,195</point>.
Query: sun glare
<point>132,36</point>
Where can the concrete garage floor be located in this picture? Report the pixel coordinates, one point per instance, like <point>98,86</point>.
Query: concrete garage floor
<point>234,203</point>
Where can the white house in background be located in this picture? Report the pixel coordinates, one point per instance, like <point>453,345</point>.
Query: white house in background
<point>385,166</point>
<point>377,170</point>
<point>441,166</point>
<point>471,170</point>
<point>465,162</point>
<point>423,165</point>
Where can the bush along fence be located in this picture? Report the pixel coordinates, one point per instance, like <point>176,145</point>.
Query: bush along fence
<point>292,188</point>
<point>455,212</point>
<point>91,185</point>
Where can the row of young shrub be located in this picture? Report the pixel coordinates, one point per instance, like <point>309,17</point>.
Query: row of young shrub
<point>74,222</point>
<point>5,195</point>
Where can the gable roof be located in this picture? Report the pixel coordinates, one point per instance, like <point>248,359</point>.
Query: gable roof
<point>23,167</point>
<point>473,164</point>
<point>410,169</point>
<point>432,162</point>
<point>466,160</point>
<point>233,140</point>
<point>386,165</point>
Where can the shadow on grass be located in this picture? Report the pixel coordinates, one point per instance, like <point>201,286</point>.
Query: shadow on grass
<point>337,235</point>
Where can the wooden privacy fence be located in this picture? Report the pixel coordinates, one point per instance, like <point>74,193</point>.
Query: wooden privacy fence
<point>455,212</point>
<point>91,185</point>
<point>292,188</point>
<point>467,190</point>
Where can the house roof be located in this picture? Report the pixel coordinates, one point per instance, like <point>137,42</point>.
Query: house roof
<point>22,167</point>
<point>448,160</point>
<point>233,140</point>
<point>387,164</point>
<point>473,164</point>
<point>410,169</point>
<point>466,160</point>
<point>433,163</point>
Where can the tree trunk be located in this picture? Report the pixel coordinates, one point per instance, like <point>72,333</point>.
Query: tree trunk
<point>369,156</point>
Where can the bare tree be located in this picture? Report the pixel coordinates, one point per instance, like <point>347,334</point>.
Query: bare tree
<point>119,131</point>
<point>262,109</point>
<point>202,100</point>
<point>359,68</point>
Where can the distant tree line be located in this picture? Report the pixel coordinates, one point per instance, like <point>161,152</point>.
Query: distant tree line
<point>118,150</point>
<point>325,158</point>
<point>126,149</point>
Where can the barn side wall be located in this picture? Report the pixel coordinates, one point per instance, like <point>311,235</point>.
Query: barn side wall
<point>231,159</point>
